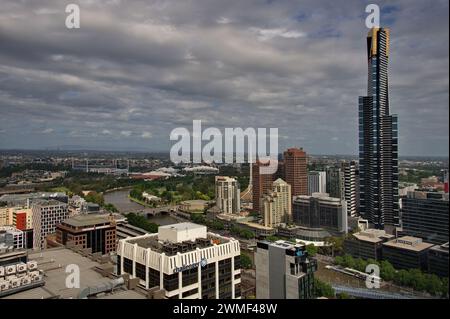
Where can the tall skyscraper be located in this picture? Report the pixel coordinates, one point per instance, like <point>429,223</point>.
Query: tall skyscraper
<point>295,170</point>
<point>262,184</point>
<point>317,182</point>
<point>350,183</point>
<point>378,139</point>
<point>277,205</point>
<point>228,195</point>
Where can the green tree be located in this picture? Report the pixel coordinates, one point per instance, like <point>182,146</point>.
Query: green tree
<point>323,289</point>
<point>387,271</point>
<point>311,249</point>
<point>246,261</point>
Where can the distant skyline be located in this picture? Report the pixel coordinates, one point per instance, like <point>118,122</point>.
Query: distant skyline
<point>135,70</point>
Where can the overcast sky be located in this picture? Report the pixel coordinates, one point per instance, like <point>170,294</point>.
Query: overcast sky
<point>135,70</point>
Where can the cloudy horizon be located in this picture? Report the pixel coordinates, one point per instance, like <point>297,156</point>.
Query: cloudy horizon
<point>134,71</point>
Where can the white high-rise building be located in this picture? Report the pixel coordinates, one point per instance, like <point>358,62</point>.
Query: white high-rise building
<point>349,169</point>
<point>317,182</point>
<point>277,204</point>
<point>185,261</point>
<point>46,214</point>
<point>228,195</point>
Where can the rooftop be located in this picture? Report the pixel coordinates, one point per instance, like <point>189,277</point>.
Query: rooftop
<point>373,235</point>
<point>86,220</point>
<point>408,243</point>
<point>53,262</point>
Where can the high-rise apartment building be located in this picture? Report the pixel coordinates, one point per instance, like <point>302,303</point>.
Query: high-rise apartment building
<point>350,184</point>
<point>228,194</point>
<point>277,205</point>
<point>317,182</point>
<point>284,271</point>
<point>262,183</point>
<point>46,215</point>
<point>184,261</point>
<point>335,182</point>
<point>295,170</point>
<point>378,139</point>
<point>425,215</point>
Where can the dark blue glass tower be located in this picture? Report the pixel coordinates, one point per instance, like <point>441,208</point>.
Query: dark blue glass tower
<point>378,139</point>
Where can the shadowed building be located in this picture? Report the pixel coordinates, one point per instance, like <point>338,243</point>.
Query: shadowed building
<point>295,170</point>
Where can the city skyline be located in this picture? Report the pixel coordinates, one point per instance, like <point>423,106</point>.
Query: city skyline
<point>149,69</point>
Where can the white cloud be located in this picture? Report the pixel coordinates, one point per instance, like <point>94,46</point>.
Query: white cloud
<point>146,134</point>
<point>126,133</point>
<point>48,131</point>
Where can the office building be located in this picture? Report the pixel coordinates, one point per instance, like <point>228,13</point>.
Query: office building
<point>228,193</point>
<point>335,182</point>
<point>262,180</point>
<point>277,204</point>
<point>317,182</point>
<point>295,170</point>
<point>407,253</point>
<point>185,260</point>
<point>97,232</point>
<point>350,187</point>
<point>438,260</point>
<point>366,244</point>
<point>378,140</point>
<point>425,215</point>
<point>320,211</point>
<point>284,271</point>
<point>46,215</point>
<point>11,238</point>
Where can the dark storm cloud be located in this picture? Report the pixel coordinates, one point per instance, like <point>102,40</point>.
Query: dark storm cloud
<point>137,69</point>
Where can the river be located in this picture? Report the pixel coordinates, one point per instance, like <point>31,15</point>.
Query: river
<point>120,200</point>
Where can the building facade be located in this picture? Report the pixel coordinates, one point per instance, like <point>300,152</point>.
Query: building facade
<point>335,182</point>
<point>425,215</point>
<point>350,187</point>
<point>378,139</point>
<point>46,215</point>
<point>228,195</point>
<point>284,271</point>
<point>320,211</point>
<point>438,260</point>
<point>366,244</point>
<point>11,238</point>
<point>97,232</point>
<point>407,253</point>
<point>317,182</point>
<point>295,170</point>
<point>262,183</point>
<point>185,261</point>
<point>277,205</point>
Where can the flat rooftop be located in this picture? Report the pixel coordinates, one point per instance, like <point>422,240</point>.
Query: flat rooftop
<point>373,235</point>
<point>86,220</point>
<point>182,226</point>
<point>408,243</point>
<point>53,262</point>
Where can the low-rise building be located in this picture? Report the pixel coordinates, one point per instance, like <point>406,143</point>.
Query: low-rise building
<point>407,252</point>
<point>97,232</point>
<point>438,260</point>
<point>366,244</point>
<point>11,238</point>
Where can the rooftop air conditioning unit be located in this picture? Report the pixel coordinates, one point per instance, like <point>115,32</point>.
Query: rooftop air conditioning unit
<point>26,280</point>
<point>21,267</point>
<point>14,283</point>
<point>9,270</point>
<point>4,285</point>
<point>32,265</point>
